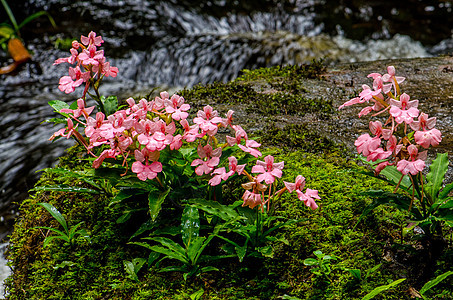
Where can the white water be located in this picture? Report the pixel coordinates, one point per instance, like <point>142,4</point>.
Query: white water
<point>5,271</point>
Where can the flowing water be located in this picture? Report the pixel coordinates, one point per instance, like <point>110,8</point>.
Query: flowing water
<point>173,44</point>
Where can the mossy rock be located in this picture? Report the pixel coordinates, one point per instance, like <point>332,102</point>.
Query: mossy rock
<point>96,270</point>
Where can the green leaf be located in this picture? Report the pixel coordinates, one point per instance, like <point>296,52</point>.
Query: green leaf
<point>48,239</point>
<point>266,251</point>
<point>148,225</point>
<point>110,104</point>
<point>435,177</point>
<point>166,242</point>
<point>208,269</point>
<point>197,295</point>
<point>446,190</point>
<point>64,264</point>
<point>372,270</point>
<point>37,15</point>
<point>195,248</point>
<point>224,212</point>
<point>169,253</point>
<point>394,176</point>
<point>130,270</point>
<point>65,188</point>
<point>310,262</point>
<point>382,288</point>
<point>10,15</point>
<point>435,281</point>
<point>56,214</point>
<point>59,105</point>
<point>190,224</point>
<point>6,31</point>
<point>448,204</point>
<point>155,202</point>
<point>355,273</point>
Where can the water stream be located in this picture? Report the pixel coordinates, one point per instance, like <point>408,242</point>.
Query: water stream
<point>173,44</point>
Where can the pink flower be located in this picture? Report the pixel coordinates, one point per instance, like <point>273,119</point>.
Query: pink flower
<point>176,107</point>
<point>366,144</point>
<point>91,56</point>
<point>268,169</point>
<point>208,120</point>
<point>109,153</point>
<point>379,153</point>
<point>377,130</point>
<point>381,166</point>
<point>390,77</point>
<point>366,95</point>
<point>404,110</point>
<point>92,39</point>
<point>250,146</point>
<point>423,123</point>
<point>428,137</point>
<point>215,180</point>
<point>205,167</point>
<point>415,163</point>
<point>71,59</point>
<point>298,185</point>
<point>145,171</point>
<point>308,198</point>
<point>251,199</point>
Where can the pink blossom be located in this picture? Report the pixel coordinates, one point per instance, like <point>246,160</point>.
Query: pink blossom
<point>251,199</point>
<point>233,168</point>
<point>381,166</point>
<point>308,196</point>
<point>365,95</point>
<point>250,146</point>
<point>208,120</point>
<point>109,153</point>
<point>71,59</point>
<point>62,131</point>
<point>378,83</point>
<point>176,107</point>
<point>366,144</point>
<point>377,130</point>
<point>404,110</point>
<point>415,164</point>
<point>390,77</point>
<point>146,171</point>
<point>423,123</point>
<point>268,169</point>
<point>92,39</point>
<point>217,178</point>
<point>91,56</point>
<point>299,184</point>
<point>428,138</point>
<point>205,167</point>
<point>379,153</point>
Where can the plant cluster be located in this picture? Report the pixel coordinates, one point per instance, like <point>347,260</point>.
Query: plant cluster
<point>397,150</point>
<point>154,140</point>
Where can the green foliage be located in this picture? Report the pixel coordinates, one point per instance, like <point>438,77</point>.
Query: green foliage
<point>69,234</point>
<point>321,265</point>
<point>382,288</point>
<point>424,198</point>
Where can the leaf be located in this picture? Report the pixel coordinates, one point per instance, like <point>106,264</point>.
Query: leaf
<point>355,273</point>
<point>148,225</point>
<point>435,281</point>
<point>169,253</point>
<point>6,31</point>
<point>65,188</point>
<point>382,288</point>
<point>37,15</point>
<point>435,177</point>
<point>190,224</point>
<point>448,204</point>
<point>446,190</point>
<point>266,251</point>
<point>10,15</point>
<point>224,212</point>
<point>48,239</point>
<point>208,269</point>
<point>372,270</point>
<point>110,104</point>
<point>55,213</point>
<point>310,262</point>
<point>130,270</point>
<point>59,105</point>
<point>394,176</point>
<point>195,248</point>
<point>64,264</point>
<point>197,295</point>
<point>166,242</point>
<point>155,203</point>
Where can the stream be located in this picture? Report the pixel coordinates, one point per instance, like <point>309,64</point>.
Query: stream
<point>175,44</point>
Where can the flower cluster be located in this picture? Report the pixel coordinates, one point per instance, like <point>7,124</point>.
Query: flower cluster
<point>90,63</point>
<point>144,129</point>
<point>391,143</point>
